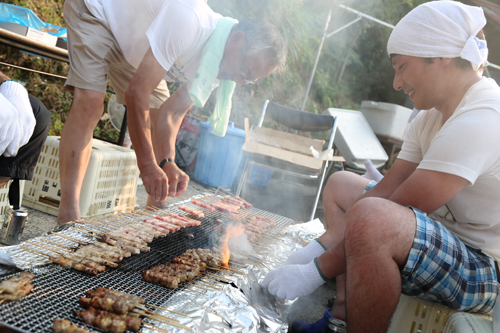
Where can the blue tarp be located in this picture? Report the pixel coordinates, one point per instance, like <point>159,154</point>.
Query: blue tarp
<point>26,17</point>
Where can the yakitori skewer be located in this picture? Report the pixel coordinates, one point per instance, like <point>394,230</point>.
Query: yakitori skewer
<point>65,262</point>
<point>75,240</point>
<point>165,309</point>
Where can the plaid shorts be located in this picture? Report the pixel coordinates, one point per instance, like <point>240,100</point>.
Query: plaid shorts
<point>442,269</point>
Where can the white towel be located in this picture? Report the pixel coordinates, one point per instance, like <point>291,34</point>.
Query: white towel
<point>445,29</point>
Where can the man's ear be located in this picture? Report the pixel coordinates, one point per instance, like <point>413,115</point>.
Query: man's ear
<point>237,37</point>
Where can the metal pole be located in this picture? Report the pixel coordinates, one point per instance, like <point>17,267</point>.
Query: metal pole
<point>367,16</point>
<point>317,56</point>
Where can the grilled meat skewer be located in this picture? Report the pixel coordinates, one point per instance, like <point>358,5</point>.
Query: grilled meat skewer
<point>65,326</point>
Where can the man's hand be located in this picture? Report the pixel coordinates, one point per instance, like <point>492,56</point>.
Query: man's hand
<point>292,281</point>
<point>155,182</point>
<point>177,179</point>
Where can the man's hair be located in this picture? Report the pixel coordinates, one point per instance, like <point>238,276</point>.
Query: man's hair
<point>262,36</point>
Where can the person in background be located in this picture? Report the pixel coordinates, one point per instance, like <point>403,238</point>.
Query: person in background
<point>138,44</point>
<point>430,227</point>
<point>24,126</point>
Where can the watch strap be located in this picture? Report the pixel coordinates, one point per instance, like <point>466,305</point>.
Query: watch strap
<point>165,160</point>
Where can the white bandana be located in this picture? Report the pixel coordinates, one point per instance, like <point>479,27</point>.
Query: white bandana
<point>441,29</point>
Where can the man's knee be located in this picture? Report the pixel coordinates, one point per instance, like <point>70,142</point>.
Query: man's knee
<point>87,104</point>
<point>375,224</point>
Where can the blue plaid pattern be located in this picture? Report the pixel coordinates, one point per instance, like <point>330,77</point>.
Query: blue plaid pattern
<point>442,269</point>
<point>370,185</point>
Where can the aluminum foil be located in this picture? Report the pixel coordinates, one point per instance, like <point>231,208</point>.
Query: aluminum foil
<point>244,306</point>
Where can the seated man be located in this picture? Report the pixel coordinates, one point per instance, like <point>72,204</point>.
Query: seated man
<point>430,227</point>
<point>24,125</point>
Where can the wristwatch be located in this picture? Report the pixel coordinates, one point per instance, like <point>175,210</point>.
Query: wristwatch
<point>162,163</point>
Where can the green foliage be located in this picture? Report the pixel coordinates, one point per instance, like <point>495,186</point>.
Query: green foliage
<point>353,65</point>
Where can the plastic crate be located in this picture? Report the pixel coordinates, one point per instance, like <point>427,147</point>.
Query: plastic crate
<point>415,315</point>
<point>109,185</point>
<point>4,196</point>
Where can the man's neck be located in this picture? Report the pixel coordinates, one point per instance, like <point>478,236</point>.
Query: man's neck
<point>454,93</point>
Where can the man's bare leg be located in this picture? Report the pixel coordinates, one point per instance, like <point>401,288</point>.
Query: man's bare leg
<point>378,240</point>
<point>75,148</point>
<point>341,191</point>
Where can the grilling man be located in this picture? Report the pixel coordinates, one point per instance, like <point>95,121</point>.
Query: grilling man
<point>138,44</point>
<point>430,227</point>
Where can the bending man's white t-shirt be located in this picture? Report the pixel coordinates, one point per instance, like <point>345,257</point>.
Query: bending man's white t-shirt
<point>176,31</point>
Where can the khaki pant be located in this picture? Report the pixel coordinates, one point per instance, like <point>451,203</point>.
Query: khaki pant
<point>95,56</point>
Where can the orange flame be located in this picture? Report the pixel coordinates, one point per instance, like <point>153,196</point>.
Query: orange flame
<point>233,230</point>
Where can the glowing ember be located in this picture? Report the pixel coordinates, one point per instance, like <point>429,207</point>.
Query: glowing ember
<point>233,230</point>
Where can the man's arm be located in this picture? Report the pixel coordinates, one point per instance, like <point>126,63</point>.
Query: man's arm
<point>146,78</point>
<point>168,122</point>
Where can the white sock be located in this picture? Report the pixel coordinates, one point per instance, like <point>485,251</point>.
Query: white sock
<point>371,172</point>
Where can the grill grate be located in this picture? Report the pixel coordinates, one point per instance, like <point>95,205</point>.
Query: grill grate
<point>57,290</point>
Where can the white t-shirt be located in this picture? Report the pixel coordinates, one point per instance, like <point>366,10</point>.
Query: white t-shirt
<point>467,145</point>
<point>176,31</point>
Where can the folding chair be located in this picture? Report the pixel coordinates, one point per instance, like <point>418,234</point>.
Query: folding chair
<point>284,157</point>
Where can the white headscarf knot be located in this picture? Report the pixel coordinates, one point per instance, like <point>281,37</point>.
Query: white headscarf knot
<point>443,28</point>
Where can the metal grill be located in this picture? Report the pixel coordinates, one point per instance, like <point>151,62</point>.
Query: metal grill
<point>57,290</point>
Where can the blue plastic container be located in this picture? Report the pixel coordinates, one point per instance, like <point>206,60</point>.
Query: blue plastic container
<point>259,176</point>
<point>219,157</point>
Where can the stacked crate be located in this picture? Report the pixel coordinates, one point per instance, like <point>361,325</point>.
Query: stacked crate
<point>109,185</point>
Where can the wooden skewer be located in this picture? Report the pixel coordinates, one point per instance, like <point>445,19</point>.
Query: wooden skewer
<point>165,309</point>
<point>234,263</point>
<point>100,233</point>
<point>151,313</point>
<point>36,251</point>
<point>99,225</point>
<point>46,248</point>
<point>212,283</point>
<point>153,327</point>
<point>223,319</point>
<point>88,233</point>
<point>2,290</point>
<point>236,270</point>
<point>3,300</point>
<point>191,283</point>
<point>221,270</point>
<point>71,239</point>
<point>207,285</point>
<point>58,244</point>
<point>196,291</point>
<point>120,221</point>
<point>218,277</point>
<point>145,214</point>
<point>214,280</point>
<point>165,321</point>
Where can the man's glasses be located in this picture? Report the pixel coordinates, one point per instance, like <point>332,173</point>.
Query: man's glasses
<point>243,73</point>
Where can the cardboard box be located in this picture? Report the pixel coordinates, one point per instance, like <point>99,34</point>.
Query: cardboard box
<point>282,146</point>
<point>30,33</point>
